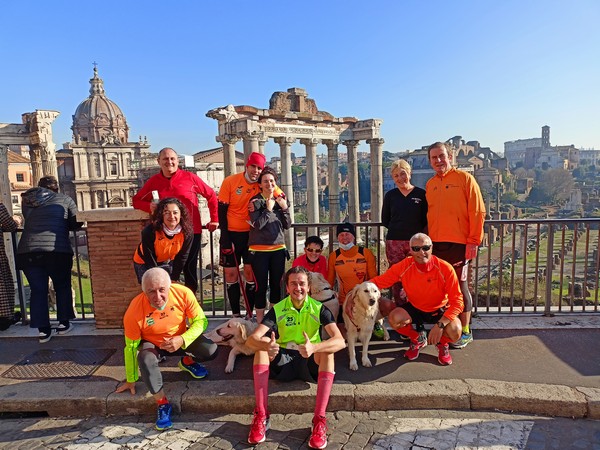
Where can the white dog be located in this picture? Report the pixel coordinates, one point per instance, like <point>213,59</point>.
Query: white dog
<point>365,313</point>
<point>234,334</point>
<point>321,290</point>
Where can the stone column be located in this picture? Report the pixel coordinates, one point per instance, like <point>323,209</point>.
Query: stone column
<point>35,156</point>
<point>285,183</point>
<point>42,148</point>
<point>376,181</point>
<point>312,188</point>
<point>4,180</point>
<point>49,166</point>
<point>262,140</point>
<point>333,170</point>
<point>353,193</point>
<point>250,143</point>
<point>228,141</point>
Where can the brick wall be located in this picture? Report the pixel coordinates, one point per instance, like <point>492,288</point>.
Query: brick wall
<point>113,235</point>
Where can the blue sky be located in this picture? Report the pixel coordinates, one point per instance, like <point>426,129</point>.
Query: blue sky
<point>490,71</point>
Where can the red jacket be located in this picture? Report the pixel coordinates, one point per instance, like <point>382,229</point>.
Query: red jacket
<point>320,266</point>
<point>184,186</point>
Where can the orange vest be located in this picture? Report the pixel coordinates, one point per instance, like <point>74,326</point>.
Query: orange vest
<point>165,249</point>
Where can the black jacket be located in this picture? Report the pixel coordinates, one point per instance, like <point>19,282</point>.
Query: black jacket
<point>49,216</point>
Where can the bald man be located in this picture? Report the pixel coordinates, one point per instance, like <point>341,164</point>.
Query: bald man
<point>156,325</point>
<point>172,181</point>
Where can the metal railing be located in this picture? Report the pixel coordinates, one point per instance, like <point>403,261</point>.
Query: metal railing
<point>549,265</point>
<point>524,266</point>
<point>84,301</point>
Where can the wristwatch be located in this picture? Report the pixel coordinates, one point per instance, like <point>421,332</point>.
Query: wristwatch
<point>441,325</point>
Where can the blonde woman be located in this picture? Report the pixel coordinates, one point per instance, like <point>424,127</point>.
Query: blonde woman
<point>404,213</point>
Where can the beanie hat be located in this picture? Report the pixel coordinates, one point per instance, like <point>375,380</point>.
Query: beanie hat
<point>256,159</point>
<point>348,227</point>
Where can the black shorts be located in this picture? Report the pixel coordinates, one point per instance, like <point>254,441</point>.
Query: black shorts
<point>453,253</point>
<point>289,365</point>
<point>239,239</point>
<point>420,317</point>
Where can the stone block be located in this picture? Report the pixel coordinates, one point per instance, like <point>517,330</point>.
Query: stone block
<point>435,394</point>
<point>142,402</point>
<point>238,397</point>
<point>530,398</point>
<point>68,398</point>
<point>592,396</point>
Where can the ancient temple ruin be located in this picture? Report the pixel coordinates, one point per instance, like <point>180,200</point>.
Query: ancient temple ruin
<point>292,116</point>
<point>35,132</point>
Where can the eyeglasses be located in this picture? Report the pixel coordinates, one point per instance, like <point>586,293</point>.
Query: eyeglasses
<point>417,248</point>
<point>313,250</point>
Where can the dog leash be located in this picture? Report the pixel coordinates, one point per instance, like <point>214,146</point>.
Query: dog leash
<point>242,285</point>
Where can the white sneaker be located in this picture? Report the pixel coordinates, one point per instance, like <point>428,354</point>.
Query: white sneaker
<point>64,329</point>
<point>45,337</point>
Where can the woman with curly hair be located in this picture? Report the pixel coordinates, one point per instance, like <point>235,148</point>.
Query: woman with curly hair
<point>166,241</point>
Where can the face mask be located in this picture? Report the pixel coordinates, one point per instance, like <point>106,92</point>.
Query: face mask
<point>347,246</point>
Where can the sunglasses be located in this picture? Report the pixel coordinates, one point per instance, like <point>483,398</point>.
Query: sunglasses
<point>416,248</point>
<point>312,250</point>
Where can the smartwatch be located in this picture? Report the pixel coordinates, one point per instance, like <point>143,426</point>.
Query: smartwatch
<point>441,325</point>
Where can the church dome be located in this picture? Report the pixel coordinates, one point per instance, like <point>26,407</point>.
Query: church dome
<point>98,119</point>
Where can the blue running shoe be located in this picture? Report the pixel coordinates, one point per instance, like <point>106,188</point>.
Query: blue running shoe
<point>197,370</point>
<point>163,420</point>
<point>465,339</point>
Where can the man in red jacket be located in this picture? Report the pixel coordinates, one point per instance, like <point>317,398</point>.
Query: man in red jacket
<point>184,185</point>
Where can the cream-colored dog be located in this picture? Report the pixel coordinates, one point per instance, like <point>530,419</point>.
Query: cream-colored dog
<point>234,334</point>
<point>365,313</point>
<point>320,290</point>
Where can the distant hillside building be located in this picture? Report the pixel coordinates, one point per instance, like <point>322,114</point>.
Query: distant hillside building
<point>525,152</point>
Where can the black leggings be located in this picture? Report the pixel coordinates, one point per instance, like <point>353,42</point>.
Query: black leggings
<point>268,267</point>
<point>190,268</point>
<point>202,349</point>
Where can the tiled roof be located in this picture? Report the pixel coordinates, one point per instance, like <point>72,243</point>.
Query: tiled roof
<point>16,158</point>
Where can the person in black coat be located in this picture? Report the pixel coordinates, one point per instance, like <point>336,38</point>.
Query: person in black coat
<point>45,253</point>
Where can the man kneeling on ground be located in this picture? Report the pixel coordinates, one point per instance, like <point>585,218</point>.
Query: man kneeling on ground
<point>155,326</point>
<point>434,297</point>
<point>298,353</point>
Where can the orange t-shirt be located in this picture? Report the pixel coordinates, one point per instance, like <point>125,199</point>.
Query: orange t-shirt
<point>236,192</point>
<point>349,269</point>
<point>142,321</point>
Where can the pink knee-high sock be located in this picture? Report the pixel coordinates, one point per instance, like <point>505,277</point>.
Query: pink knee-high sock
<point>261,387</point>
<point>408,330</point>
<point>445,340</point>
<point>324,385</point>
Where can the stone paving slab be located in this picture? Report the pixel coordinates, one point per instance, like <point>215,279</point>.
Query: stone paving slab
<point>398,430</point>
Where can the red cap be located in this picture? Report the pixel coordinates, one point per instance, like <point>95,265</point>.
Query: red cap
<point>256,159</point>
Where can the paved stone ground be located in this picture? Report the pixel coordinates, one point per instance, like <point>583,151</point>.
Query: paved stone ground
<point>398,430</point>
